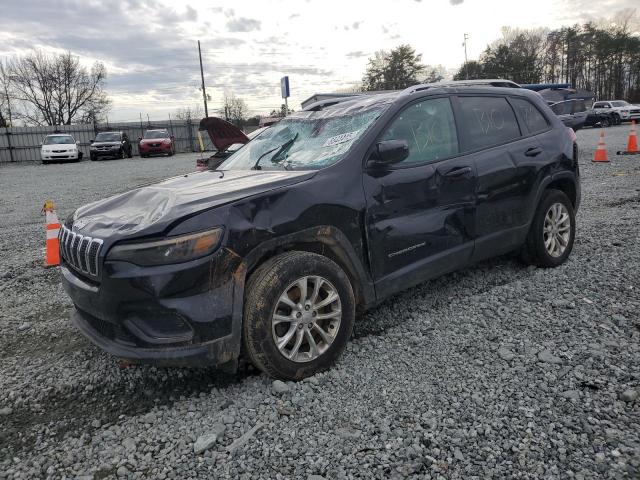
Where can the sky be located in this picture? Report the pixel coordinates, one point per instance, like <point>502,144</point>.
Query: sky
<point>150,46</point>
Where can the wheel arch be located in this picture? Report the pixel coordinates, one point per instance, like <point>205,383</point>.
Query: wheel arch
<point>324,240</point>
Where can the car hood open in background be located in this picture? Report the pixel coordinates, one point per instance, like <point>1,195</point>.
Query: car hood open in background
<point>152,208</point>
<point>222,133</point>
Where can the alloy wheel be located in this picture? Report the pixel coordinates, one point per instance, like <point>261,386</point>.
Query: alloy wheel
<point>306,319</point>
<point>556,229</point>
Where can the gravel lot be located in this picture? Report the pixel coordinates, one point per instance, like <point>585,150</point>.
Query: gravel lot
<point>497,371</point>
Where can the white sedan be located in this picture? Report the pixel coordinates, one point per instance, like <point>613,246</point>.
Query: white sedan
<point>60,148</point>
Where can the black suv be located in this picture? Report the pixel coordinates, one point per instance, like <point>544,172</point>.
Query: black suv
<point>324,215</point>
<point>110,144</point>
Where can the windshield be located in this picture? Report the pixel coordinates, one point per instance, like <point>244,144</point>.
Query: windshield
<point>59,140</point>
<point>108,137</point>
<point>620,103</point>
<point>156,134</point>
<point>309,140</point>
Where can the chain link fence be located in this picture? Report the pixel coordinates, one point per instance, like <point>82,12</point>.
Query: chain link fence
<point>22,144</point>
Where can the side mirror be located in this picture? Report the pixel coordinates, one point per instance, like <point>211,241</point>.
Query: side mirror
<point>91,141</point>
<point>139,138</point>
<point>389,152</point>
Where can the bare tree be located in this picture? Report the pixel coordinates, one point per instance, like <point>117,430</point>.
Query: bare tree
<point>5,97</point>
<point>189,113</point>
<point>57,89</point>
<point>234,109</point>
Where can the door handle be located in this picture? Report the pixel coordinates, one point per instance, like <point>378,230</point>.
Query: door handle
<point>533,151</point>
<point>458,172</point>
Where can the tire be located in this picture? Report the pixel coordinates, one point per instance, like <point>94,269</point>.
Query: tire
<point>604,123</point>
<point>130,153</point>
<point>143,156</point>
<point>44,162</point>
<point>267,286</point>
<point>616,119</point>
<point>535,251</point>
<point>170,154</point>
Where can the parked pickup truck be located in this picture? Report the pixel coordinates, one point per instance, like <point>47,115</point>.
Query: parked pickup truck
<point>619,110</point>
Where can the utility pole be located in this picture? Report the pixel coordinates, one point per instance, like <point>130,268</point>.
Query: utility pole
<point>204,92</point>
<point>466,63</point>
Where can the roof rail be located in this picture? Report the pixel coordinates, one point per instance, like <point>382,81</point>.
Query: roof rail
<point>489,82</point>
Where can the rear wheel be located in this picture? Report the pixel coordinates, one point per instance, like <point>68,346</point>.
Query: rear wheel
<point>605,122</point>
<point>552,232</point>
<point>298,315</point>
<point>616,119</point>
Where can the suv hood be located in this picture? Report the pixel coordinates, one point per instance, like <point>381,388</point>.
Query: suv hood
<point>151,209</point>
<point>106,144</point>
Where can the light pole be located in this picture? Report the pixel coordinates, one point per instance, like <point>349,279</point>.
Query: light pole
<point>466,63</point>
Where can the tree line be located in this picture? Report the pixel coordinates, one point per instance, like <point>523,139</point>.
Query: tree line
<point>602,58</point>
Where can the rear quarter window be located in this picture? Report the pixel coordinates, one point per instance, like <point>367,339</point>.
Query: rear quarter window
<point>487,121</point>
<point>533,119</point>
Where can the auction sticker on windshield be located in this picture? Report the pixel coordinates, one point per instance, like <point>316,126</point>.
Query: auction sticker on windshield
<point>343,137</point>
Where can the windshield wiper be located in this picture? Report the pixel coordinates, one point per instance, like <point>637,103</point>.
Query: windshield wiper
<point>280,149</point>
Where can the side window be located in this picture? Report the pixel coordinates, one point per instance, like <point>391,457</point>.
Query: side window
<point>488,121</point>
<point>429,129</point>
<point>533,119</point>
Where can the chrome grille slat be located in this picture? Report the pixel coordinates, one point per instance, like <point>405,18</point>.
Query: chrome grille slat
<point>79,251</point>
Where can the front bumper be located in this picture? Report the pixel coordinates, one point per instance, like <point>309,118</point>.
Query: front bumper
<point>60,156</point>
<point>185,314</point>
<point>116,152</point>
<point>150,150</point>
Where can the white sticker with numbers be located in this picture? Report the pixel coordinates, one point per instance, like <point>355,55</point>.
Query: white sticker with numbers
<point>342,138</point>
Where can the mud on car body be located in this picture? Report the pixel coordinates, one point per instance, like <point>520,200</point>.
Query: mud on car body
<point>322,216</point>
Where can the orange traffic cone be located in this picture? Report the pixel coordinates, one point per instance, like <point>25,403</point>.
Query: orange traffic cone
<point>52,257</point>
<point>600,154</point>
<point>632,143</point>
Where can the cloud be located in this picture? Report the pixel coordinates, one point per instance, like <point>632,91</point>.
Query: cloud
<point>243,24</point>
<point>356,54</point>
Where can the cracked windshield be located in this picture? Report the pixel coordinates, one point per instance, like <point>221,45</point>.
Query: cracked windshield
<point>304,141</point>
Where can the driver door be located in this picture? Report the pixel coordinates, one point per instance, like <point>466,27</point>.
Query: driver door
<point>420,212</point>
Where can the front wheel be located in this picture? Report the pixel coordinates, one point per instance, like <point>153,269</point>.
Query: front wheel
<point>550,239</point>
<point>298,315</point>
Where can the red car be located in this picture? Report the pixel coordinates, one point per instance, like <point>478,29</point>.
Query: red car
<point>156,142</point>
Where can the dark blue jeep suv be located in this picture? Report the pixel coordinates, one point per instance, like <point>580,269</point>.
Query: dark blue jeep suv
<point>324,215</point>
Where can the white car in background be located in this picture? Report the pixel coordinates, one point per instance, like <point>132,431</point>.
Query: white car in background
<point>618,109</point>
<point>60,147</point>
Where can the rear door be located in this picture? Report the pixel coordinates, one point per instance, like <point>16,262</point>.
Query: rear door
<point>419,215</point>
<point>505,160</point>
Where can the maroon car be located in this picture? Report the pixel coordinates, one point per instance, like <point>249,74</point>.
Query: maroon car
<point>156,142</point>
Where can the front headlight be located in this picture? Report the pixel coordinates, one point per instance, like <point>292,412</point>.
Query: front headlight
<point>172,250</point>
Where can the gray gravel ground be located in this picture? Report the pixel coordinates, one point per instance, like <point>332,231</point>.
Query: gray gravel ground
<point>497,371</point>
